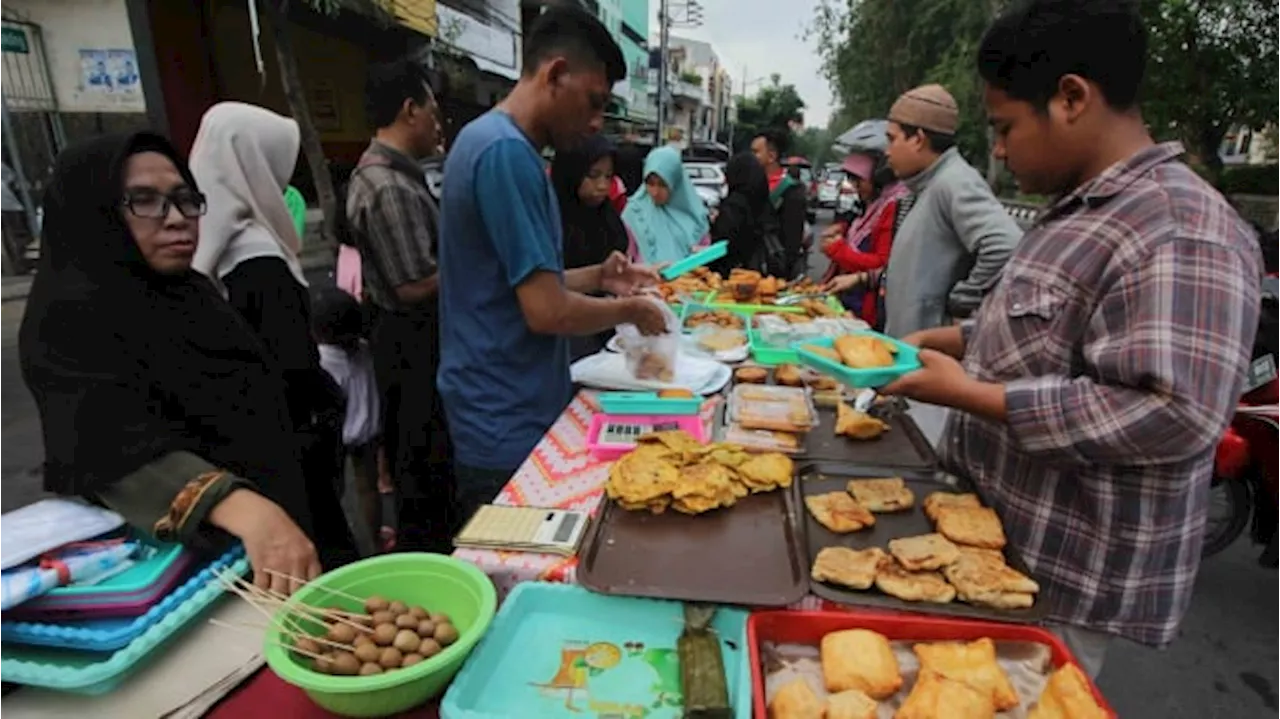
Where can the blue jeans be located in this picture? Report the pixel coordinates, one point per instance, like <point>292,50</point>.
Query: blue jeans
<point>476,487</point>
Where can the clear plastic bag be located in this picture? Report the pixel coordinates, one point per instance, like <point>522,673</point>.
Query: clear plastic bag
<point>652,357</point>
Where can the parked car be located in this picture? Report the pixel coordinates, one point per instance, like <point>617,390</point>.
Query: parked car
<point>709,175</point>
<point>433,169</point>
<point>829,188</point>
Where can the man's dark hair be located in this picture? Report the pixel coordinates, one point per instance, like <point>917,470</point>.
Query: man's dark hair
<point>336,317</point>
<point>938,142</point>
<point>778,140</point>
<point>389,85</point>
<point>577,35</point>
<point>1034,43</point>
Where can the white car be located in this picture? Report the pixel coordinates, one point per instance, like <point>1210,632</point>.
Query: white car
<point>708,176</point>
<point>829,190</point>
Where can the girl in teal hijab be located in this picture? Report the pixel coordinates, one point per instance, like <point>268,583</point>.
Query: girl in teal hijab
<point>666,216</point>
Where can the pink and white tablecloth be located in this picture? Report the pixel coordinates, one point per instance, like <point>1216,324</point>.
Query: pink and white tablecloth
<point>560,473</point>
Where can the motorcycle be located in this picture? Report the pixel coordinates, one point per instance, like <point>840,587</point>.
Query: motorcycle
<point>1245,490</point>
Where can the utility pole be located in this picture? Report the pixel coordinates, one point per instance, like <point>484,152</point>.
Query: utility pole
<point>664,40</point>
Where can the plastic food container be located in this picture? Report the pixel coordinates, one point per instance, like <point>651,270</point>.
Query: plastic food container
<point>907,359</point>
<point>647,403</point>
<point>772,407</point>
<point>434,581</point>
<point>710,254</point>
<point>789,627</point>
<point>611,436</point>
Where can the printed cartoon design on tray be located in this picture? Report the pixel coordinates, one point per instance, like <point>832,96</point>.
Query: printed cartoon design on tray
<point>603,679</point>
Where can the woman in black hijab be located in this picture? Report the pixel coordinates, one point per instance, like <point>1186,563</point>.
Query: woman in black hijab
<point>592,228</point>
<point>739,219</point>
<point>155,398</point>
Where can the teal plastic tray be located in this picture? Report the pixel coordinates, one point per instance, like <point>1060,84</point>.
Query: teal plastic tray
<point>560,651</point>
<point>647,403</point>
<point>93,674</point>
<point>133,580</point>
<point>710,254</point>
<point>718,301</point>
<point>908,360</point>
<point>767,354</point>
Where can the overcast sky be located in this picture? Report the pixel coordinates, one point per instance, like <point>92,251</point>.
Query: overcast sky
<point>767,38</point>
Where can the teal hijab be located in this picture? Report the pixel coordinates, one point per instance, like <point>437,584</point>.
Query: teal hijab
<point>668,233</point>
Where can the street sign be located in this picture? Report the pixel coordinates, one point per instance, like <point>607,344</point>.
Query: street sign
<point>14,39</point>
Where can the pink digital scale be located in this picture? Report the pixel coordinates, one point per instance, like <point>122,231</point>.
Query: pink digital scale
<point>613,435</point>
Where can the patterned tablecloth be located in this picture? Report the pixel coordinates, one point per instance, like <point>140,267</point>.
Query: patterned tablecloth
<point>560,473</point>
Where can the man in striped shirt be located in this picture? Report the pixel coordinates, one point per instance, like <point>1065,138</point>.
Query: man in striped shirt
<point>1095,380</point>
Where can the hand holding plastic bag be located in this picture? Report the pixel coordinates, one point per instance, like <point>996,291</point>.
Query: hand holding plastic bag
<point>652,356</point>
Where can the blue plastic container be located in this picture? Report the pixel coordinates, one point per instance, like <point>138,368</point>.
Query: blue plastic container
<point>706,256</point>
<point>93,673</point>
<point>558,650</point>
<point>907,359</point>
<point>647,403</point>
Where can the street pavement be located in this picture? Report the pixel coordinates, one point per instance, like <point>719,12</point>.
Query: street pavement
<point>1224,664</point>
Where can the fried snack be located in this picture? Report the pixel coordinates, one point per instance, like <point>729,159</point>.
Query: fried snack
<point>863,352</point>
<point>654,365</point>
<point>639,479</point>
<point>975,526</point>
<point>788,375</point>
<point>715,318</point>
<point>937,697</point>
<point>851,704</point>
<point>938,500</point>
<point>723,453</point>
<point>987,581</point>
<point>973,663</point>
<point>852,568</point>
<point>882,495</point>
<point>995,554</point>
<point>893,579</point>
<point>924,552</point>
<point>722,340</point>
<point>677,440</point>
<point>858,425</point>
<point>860,659</point>
<point>751,375</point>
<point>704,487</point>
<point>822,383</point>
<point>796,700</point>
<point>825,352</point>
<point>818,308</point>
<point>838,512</point>
<point>1067,696</point>
<point>675,394</point>
<point>763,472</point>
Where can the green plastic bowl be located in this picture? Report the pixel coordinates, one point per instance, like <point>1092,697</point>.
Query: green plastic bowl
<point>436,582</point>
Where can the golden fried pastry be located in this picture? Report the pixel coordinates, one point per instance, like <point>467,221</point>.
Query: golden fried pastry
<point>975,526</point>
<point>788,375</point>
<point>987,581</point>
<point>763,472</point>
<point>937,697</point>
<point>1067,696</point>
<point>995,554</point>
<point>721,340</point>
<point>924,552</point>
<point>938,500</point>
<point>826,352</point>
<point>703,487</point>
<point>858,425</point>
<point>715,318</point>
<point>751,375</point>
<point>893,579</point>
<point>973,663</point>
<point>675,394</point>
<point>863,352</point>
<point>860,659</point>
<point>839,512</point>
<point>889,494</point>
<point>818,308</point>
<point>656,366</point>
<point>640,479</point>
<point>726,453</point>
<point>677,440</point>
<point>851,704</point>
<point>852,568</point>
<point>796,700</point>
<point>822,383</point>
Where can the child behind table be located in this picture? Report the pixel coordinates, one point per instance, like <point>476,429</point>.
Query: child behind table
<point>338,324</point>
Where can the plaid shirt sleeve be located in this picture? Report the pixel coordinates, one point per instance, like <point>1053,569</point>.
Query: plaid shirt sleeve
<point>400,235</point>
<point>1186,310</point>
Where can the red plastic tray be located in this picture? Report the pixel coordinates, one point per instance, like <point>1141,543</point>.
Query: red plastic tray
<point>788,627</point>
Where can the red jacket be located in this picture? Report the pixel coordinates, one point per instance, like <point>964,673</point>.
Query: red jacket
<point>618,194</point>
<point>847,259</point>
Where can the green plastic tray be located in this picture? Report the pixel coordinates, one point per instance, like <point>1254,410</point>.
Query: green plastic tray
<point>707,255</point>
<point>133,580</point>
<point>908,360</point>
<point>714,302</point>
<point>769,355</point>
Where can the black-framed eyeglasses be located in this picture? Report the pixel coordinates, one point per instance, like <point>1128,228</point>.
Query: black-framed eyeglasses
<point>155,206</point>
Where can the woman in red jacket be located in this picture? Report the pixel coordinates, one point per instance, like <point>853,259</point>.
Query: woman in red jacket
<point>861,249</point>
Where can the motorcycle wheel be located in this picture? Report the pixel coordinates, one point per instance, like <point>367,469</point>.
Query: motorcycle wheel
<point>1230,506</point>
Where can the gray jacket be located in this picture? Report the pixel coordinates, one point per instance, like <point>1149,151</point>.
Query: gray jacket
<point>949,249</point>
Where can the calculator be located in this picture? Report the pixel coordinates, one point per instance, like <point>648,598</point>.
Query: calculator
<point>524,529</point>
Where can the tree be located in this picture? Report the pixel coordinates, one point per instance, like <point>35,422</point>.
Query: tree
<point>1212,66</point>
<point>775,107</point>
<point>277,12</point>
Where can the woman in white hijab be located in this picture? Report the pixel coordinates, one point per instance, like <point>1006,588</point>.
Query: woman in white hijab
<point>242,159</point>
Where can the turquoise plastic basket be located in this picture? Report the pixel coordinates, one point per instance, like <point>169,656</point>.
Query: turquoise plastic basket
<point>559,651</point>
<point>907,360</point>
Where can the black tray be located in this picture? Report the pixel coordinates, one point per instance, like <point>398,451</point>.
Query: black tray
<point>904,445</point>
<point>821,477</point>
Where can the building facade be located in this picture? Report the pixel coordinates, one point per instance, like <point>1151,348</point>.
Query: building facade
<point>699,89</point>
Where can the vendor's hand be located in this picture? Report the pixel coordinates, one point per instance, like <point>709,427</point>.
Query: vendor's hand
<point>646,315</point>
<point>621,277</point>
<point>271,539</point>
<point>843,283</point>
<point>832,232</point>
<point>940,380</point>
<point>947,340</point>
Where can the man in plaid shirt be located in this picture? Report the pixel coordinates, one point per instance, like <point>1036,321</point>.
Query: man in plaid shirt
<point>1097,377</point>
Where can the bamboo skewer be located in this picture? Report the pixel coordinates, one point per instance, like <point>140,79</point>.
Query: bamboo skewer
<point>247,591</point>
<point>282,645</point>
<point>331,590</point>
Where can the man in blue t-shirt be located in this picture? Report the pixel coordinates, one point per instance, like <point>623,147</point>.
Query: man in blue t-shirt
<point>507,305</point>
